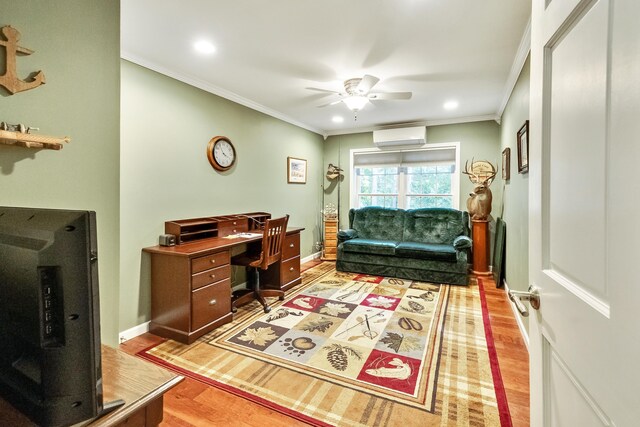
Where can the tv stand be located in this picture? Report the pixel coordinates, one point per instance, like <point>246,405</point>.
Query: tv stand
<point>107,408</point>
<point>141,384</point>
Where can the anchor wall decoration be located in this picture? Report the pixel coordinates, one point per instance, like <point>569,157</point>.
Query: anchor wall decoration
<point>9,79</point>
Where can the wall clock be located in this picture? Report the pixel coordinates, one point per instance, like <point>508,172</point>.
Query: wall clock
<point>221,153</point>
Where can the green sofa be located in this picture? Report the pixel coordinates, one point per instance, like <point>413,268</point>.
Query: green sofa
<point>431,244</point>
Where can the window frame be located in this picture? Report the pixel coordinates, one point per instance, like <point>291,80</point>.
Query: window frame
<point>455,178</point>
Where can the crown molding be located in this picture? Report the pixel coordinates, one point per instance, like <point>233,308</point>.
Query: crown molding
<point>216,90</point>
<point>427,123</point>
<point>516,67</point>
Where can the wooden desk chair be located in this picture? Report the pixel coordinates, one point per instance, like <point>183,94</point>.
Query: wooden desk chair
<point>272,243</point>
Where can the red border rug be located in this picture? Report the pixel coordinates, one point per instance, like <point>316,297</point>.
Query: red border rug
<point>459,381</point>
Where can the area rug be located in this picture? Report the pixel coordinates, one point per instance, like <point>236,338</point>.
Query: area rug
<point>348,349</point>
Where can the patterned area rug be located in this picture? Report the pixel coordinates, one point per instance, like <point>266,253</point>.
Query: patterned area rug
<point>348,349</point>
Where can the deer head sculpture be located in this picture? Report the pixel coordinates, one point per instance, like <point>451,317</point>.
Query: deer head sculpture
<point>479,202</point>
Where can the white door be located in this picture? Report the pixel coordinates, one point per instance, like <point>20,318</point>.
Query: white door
<point>585,212</point>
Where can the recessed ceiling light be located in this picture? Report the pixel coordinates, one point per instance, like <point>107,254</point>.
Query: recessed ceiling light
<point>337,119</point>
<point>451,105</point>
<point>204,46</point>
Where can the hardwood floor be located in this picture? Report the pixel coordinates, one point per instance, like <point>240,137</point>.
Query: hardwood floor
<point>513,355</point>
<point>192,403</point>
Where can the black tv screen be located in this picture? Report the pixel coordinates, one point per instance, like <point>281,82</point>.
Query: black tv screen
<point>50,363</point>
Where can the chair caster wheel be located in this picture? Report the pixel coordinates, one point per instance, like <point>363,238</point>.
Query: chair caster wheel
<point>267,309</point>
<point>281,298</point>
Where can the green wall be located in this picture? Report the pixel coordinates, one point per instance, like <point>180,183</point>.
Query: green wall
<point>165,174</point>
<point>153,167</point>
<point>516,193</point>
<point>477,139</point>
<point>77,45</point>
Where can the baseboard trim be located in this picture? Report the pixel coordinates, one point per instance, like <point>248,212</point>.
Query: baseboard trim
<point>133,332</point>
<point>518,316</point>
<point>310,257</point>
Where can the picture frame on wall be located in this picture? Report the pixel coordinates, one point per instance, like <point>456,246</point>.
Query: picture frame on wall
<point>506,164</point>
<point>523,148</point>
<point>296,170</point>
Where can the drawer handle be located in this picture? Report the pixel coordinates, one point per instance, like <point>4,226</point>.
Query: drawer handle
<point>291,245</point>
<point>291,269</point>
<point>213,302</point>
<point>234,230</point>
<point>235,223</point>
<point>213,261</point>
<point>213,276</point>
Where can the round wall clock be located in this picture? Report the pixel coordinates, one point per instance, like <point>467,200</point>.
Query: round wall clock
<point>221,153</point>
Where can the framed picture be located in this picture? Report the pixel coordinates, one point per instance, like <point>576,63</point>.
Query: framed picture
<point>506,164</point>
<point>523,148</point>
<point>296,171</point>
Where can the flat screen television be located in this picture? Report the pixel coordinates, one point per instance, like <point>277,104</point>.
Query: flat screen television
<point>50,362</point>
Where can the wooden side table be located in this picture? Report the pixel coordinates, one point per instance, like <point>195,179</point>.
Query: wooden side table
<point>480,235</point>
<point>330,248</point>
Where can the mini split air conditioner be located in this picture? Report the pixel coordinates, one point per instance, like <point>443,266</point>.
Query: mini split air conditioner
<point>412,136</point>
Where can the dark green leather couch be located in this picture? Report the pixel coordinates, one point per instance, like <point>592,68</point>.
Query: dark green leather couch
<point>429,245</point>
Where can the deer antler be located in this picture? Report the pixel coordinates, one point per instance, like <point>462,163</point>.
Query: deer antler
<point>482,178</point>
<point>473,177</point>
<point>488,180</point>
<point>468,171</point>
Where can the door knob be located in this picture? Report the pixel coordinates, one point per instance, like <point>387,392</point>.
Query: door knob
<point>533,296</point>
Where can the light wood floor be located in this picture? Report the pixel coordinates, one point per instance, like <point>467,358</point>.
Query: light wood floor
<point>192,403</point>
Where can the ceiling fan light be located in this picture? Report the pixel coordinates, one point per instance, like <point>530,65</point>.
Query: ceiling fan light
<point>355,103</point>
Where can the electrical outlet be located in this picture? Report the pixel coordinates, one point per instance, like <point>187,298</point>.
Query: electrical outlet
<point>318,246</point>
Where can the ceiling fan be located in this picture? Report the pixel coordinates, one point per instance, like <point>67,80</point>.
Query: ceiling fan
<point>357,93</point>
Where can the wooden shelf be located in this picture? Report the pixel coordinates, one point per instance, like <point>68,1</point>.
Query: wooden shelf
<point>29,140</point>
<point>188,230</point>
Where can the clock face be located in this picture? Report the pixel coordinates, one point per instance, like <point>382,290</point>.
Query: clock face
<point>221,153</point>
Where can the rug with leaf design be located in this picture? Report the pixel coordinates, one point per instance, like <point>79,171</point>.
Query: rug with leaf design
<point>357,350</point>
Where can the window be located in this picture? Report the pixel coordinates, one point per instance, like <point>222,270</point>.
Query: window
<point>405,179</point>
<point>377,186</point>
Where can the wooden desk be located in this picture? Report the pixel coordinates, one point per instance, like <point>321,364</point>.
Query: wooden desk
<point>191,284</point>
<point>139,383</point>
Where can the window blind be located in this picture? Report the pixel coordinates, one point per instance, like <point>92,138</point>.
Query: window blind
<point>401,158</point>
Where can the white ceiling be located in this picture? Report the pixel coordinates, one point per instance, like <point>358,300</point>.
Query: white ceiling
<point>268,53</point>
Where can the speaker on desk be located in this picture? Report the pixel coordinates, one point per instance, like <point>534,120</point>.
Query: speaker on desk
<point>167,240</point>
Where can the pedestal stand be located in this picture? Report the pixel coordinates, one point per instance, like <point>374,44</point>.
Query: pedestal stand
<point>480,234</point>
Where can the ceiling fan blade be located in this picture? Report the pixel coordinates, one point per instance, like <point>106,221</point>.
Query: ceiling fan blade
<point>317,89</point>
<point>330,103</point>
<point>367,83</point>
<point>390,95</point>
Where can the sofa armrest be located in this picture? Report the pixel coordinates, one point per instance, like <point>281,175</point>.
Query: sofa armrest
<point>344,235</point>
<point>462,242</point>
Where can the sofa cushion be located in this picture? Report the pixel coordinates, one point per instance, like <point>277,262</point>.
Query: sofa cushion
<point>377,223</point>
<point>344,235</point>
<point>433,225</point>
<point>428,251</point>
<point>370,246</point>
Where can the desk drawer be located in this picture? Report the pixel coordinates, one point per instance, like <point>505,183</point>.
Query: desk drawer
<point>291,246</point>
<point>210,276</point>
<point>290,270</point>
<point>210,303</point>
<point>209,261</point>
<point>232,226</point>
